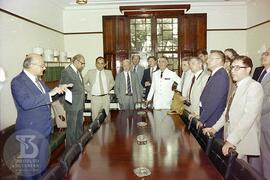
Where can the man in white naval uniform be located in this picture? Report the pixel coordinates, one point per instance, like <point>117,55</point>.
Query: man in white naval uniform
<point>161,87</point>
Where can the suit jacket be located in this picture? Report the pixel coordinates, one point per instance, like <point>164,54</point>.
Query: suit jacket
<point>265,116</point>
<point>139,72</point>
<point>257,73</point>
<point>243,129</point>
<point>161,88</point>
<point>196,92</point>
<point>186,81</point>
<point>90,78</point>
<point>214,98</point>
<point>147,77</point>
<point>120,86</point>
<point>68,75</point>
<point>33,107</point>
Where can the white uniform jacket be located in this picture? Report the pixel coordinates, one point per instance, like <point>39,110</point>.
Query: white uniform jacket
<point>161,88</point>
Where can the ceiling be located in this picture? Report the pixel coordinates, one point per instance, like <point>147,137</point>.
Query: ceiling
<point>100,3</point>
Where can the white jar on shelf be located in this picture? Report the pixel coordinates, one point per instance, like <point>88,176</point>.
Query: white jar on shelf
<point>56,55</point>
<point>63,56</point>
<point>48,55</point>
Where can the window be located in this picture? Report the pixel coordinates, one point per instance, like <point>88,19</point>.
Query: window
<point>161,40</point>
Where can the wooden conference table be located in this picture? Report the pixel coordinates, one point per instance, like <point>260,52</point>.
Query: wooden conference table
<point>171,151</point>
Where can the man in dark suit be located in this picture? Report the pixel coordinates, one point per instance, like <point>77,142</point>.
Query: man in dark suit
<point>214,96</point>
<point>147,74</point>
<point>258,70</point>
<point>32,99</point>
<point>74,110</point>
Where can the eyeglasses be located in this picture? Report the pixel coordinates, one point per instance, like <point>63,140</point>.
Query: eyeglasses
<point>81,62</point>
<point>237,68</point>
<point>40,65</point>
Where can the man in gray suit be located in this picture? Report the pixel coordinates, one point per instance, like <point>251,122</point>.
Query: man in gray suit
<point>197,85</point>
<point>265,117</point>
<point>136,67</point>
<point>98,83</point>
<point>127,87</point>
<point>74,110</point>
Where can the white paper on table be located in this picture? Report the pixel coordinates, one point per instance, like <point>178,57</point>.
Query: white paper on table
<point>68,96</point>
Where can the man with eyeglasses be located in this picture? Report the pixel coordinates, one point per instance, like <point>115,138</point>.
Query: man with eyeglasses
<point>33,99</point>
<point>98,83</point>
<point>241,118</point>
<point>74,110</point>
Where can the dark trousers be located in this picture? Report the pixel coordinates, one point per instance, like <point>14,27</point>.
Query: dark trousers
<point>74,127</point>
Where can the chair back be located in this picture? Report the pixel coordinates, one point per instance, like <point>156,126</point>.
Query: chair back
<point>185,118</point>
<point>55,173</point>
<point>242,170</point>
<point>84,139</point>
<point>205,140</point>
<point>101,116</point>
<point>94,126</point>
<point>70,156</point>
<point>222,163</point>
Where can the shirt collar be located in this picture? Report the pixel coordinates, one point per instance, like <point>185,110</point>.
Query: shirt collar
<point>74,68</point>
<point>267,70</point>
<point>243,81</point>
<point>215,70</point>
<point>31,76</point>
<point>198,73</point>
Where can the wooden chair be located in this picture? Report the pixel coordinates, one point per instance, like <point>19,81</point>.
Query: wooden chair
<point>222,163</point>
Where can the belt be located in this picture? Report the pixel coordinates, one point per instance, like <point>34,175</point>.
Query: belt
<point>129,94</point>
<point>100,95</point>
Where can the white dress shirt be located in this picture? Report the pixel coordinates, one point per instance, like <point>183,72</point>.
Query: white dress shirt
<point>33,78</point>
<point>96,86</point>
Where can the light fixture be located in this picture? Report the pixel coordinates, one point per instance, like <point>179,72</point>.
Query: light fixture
<point>81,2</point>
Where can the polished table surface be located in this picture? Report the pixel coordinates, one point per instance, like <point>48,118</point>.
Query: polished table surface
<point>171,151</point>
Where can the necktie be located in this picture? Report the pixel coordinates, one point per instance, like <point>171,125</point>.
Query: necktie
<point>128,84</point>
<point>262,75</point>
<point>79,75</point>
<point>209,78</point>
<point>192,82</point>
<point>230,103</point>
<point>135,68</point>
<point>101,84</point>
<point>161,74</point>
<point>39,86</point>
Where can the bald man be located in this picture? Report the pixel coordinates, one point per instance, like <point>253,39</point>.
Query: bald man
<point>32,99</point>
